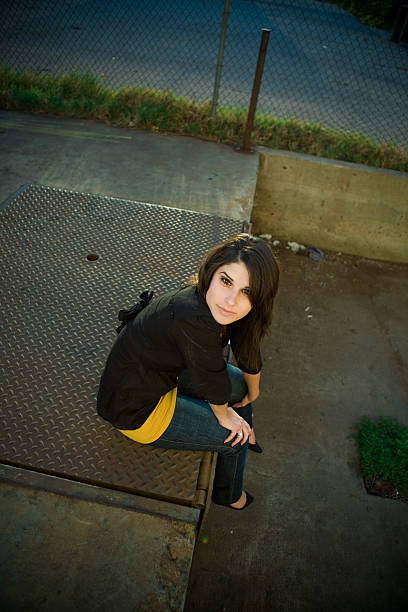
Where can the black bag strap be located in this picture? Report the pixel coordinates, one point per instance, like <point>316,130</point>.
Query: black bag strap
<point>126,315</point>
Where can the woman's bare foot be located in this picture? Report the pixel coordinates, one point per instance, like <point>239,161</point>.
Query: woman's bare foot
<point>241,502</point>
<point>244,501</point>
<point>251,438</point>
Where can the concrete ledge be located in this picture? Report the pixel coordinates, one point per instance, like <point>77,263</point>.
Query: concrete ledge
<point>333,205</point>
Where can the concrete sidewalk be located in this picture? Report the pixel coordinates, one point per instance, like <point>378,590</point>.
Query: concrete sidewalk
<point>145,166</point>
<point>313,540</point>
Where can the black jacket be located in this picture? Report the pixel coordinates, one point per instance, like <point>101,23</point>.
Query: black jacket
<point>173,332</point>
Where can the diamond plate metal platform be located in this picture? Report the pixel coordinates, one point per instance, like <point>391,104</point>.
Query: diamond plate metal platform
<point>58,322</point>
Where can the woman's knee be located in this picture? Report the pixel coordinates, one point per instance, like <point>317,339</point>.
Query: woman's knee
<point>232,451</point>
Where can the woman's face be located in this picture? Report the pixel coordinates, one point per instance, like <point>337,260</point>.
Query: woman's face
<point>228,294</point>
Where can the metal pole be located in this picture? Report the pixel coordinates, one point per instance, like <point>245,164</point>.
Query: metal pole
<point>255,89</point>
<point>220,58</point>
<point>400,23</point>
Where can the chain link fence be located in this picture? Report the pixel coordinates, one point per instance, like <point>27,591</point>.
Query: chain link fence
<point>322,64</point>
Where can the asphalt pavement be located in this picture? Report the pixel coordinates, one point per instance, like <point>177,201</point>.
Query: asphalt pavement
<point>313,540</point>
<point>322,65</point>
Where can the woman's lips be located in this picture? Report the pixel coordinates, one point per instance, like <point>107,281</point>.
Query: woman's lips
<point>224,311</point>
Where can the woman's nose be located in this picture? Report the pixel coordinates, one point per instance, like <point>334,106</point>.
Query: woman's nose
<point>231,297</point>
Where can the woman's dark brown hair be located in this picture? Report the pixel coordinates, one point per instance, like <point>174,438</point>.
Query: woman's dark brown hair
<point>263,270</point>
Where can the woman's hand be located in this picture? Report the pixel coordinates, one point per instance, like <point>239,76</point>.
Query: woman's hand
<point>238,427</point>
<point>247,399</point>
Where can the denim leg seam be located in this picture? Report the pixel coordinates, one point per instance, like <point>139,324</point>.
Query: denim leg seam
<point>233,479</point>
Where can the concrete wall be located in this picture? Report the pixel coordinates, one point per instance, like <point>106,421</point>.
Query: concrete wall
<point>332,205</point>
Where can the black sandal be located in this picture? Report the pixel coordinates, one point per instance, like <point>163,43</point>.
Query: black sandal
<point>249,499</point>
<point>255,447</point>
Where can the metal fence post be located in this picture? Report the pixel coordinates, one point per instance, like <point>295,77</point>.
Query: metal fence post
<point>255,89</point>
<point>220,58</point>
<point>400,27</point>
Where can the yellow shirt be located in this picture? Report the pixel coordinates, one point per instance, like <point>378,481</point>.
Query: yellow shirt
<point>157,422</point>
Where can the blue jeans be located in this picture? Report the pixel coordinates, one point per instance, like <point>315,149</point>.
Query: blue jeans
<point>195,427</point>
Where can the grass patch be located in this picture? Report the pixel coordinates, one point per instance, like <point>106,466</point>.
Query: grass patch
<point>83,96</point>
<point>383,447</point>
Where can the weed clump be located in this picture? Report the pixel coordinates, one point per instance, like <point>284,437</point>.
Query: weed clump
<point>383,448</point>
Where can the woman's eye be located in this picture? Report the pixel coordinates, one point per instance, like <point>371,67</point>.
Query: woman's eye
<point>245,292</point>
<point>225,281</point>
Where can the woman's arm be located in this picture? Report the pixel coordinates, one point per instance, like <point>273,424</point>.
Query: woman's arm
<point>252,382</point>
<point>228,418</point>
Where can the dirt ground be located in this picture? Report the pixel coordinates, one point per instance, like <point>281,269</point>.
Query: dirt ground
<point>314,540</point>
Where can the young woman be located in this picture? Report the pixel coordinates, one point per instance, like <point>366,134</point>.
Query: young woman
<point>166,382</point>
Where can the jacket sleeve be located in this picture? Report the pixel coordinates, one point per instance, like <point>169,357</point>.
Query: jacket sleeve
<point>200,343</point>
<point>242,366</point>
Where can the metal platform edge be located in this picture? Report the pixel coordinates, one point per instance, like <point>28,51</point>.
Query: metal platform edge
<point>245,225</point>
<point>15,195</point>
<point>96,494</point>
